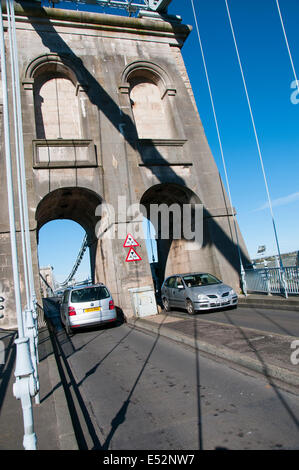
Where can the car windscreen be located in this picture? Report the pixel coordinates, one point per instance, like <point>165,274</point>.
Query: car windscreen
<point>89,294</point>
<point>197,280</point>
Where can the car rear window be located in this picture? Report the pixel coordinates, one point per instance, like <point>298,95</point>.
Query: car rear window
<point>89,294</point>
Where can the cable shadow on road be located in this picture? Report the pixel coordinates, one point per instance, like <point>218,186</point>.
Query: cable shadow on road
<point>64,348</point>
<point>120,416</point>
<point>94,369</point>
<point>198,386</point>
<point>273,322</point>
<point>265,372</point>
<point>262,314</point>
<point>69,384</point>
<point>51,310</point>
<point>120,321</point>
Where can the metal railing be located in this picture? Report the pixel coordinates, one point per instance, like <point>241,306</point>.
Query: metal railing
<point>292,279</point>
<point>41,321</point>
<point>131,6</point>
<point>273,280</point>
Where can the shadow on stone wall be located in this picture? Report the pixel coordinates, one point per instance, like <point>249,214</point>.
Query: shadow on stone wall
<point>101,99</point>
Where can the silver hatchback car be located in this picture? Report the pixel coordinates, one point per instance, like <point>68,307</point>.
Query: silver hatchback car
<point>196,291</point>
<point>87,306</point>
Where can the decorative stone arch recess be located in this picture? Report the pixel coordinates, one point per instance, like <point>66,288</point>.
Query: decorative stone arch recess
<point>68,152</point>
<point>148,70</point>
<point>156,149</point>
<point>61,63</point>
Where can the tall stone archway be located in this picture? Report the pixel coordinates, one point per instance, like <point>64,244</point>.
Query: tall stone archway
<point>77,204</point>
<point>175,250</point>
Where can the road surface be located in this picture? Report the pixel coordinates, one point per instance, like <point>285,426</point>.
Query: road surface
<point>283,322</point>
<point>132,390</point>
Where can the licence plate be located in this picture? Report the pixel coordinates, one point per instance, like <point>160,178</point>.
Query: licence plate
<point>94,309</point>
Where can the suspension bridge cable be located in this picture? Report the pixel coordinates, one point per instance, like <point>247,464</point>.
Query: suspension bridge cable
<point>77,262</point>
<point>287,44</point>
<point>218,133</point>
<point>10,189</point>
<point>14,80</point>
<point>255,131</point>
<point>20,152</point>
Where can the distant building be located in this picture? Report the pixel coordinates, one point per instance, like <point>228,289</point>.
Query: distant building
<point>47,281</point>
<point>288,260</point>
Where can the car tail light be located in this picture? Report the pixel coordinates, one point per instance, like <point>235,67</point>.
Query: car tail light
<point>72,311</point>
<point>111,305</point>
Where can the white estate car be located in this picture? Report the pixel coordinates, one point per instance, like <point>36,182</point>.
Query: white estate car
<point>87,306</point>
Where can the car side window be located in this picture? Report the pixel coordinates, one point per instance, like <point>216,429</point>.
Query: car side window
<point>179,282</point>
<point>171,282</point>
<point>65,297</point>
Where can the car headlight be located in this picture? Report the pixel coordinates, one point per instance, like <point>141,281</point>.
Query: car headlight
<point>202,297</point>
<point>232,292</point>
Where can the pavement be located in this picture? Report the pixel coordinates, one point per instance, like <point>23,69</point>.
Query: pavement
<point>52,421</point>
<point>255,351</point>
<point>269,301</point>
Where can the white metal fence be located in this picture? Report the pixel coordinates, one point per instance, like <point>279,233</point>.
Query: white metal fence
<point>273,280</point>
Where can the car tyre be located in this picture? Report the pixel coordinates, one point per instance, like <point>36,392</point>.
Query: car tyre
<point>190,307</point>
<point>68,329</point>
<point>166,304</point>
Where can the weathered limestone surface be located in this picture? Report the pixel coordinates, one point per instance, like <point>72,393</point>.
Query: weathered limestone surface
<point>108,111</point>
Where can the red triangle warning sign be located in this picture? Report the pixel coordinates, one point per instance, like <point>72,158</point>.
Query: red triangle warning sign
<point>133,256</point>
<point>130,241</point>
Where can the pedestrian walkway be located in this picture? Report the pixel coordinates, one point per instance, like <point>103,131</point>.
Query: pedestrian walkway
<point>270,301</point>
<point>52,421</point>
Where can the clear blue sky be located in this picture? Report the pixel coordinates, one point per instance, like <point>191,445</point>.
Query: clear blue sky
<point>269,76</point>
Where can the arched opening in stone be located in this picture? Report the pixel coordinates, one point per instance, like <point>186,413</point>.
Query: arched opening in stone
<point>72,204</point>
<point>172,210</point>
<point>60,243</point>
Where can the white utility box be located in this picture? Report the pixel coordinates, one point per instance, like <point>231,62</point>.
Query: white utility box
<point>143,301</point>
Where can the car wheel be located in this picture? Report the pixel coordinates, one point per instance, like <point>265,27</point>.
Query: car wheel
<point>190,307</point>
<point>166,304</point>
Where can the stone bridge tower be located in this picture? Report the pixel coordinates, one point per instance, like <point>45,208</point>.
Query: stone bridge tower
<point>109,115</point>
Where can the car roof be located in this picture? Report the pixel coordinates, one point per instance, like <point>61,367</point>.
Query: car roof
<point>86,286</point>
<point>188,274</point>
